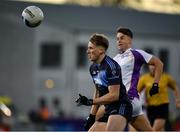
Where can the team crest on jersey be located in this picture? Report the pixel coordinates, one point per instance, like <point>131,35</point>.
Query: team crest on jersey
<point>94,73</point>
<point>114,72</point>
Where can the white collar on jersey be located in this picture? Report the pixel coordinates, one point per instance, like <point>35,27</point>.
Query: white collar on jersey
<point>124,53</point>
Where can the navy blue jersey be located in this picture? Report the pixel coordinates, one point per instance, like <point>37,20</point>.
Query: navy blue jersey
<point>106,74</point>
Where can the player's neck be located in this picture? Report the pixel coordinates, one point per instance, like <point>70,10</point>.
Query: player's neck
<point>100,59</point>
<point>121,51</point>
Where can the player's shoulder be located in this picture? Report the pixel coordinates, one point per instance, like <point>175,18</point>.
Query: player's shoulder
<point>111,62</point>
<point>138,52</point>
<point>141,54</point>
<point>166,75</point>
<point>116,56</point>
<point>145,76</point>
<point>141,51</point>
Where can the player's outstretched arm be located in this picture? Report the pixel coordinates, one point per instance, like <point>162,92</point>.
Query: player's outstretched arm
<point>158,68</point>
<point>156,62</point>
<point>110,97</point>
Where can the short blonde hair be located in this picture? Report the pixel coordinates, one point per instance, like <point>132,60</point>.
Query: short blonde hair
<point>99,40</point>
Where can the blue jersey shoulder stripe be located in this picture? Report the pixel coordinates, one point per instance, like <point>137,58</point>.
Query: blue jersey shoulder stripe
<point>111,64</point>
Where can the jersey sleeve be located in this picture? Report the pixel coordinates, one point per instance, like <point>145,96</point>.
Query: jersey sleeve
<point>145,55</point>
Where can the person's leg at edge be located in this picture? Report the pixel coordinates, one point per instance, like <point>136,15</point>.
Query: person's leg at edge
<point>100,113</point>
<point>159,124</point>
<point>131,128</point>
<point>116,123</point>
<point>141,123</point>
<point>98,126</point>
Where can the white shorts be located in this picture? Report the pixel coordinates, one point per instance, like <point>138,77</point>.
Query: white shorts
<point>137,107</point>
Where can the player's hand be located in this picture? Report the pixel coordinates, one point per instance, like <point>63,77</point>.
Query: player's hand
<point>89,122</point>
<point>154,90</point>
<point>83,100</point>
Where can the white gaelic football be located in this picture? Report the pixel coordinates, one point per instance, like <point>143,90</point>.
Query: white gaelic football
<point>32,16</point>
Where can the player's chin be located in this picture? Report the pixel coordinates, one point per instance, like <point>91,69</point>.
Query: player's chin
<point>91,59</point>
<point>121,48</point>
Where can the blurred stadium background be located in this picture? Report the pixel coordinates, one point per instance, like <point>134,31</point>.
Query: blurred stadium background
<point>43,69</point>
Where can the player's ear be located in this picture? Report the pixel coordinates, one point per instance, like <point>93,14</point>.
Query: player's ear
<point>101,50</point>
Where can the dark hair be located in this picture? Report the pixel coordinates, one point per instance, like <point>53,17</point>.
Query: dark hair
<point>99,40</point>
<point>125,31</point>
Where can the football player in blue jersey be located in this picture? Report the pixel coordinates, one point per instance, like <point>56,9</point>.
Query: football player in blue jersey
<point>109,89</point>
